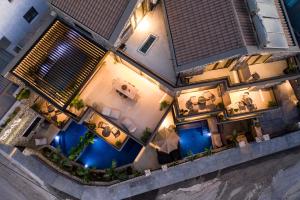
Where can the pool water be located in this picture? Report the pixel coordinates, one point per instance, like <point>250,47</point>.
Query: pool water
<point>194,137</point>
<point>98,155</point>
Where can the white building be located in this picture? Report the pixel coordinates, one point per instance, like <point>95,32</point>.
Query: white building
<point>19,18</point>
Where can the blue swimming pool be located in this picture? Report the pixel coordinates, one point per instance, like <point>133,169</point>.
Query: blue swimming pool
<point>194,137</point>
<point>100,154</point>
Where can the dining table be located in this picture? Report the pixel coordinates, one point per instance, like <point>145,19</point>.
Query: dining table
<point>125,88</point>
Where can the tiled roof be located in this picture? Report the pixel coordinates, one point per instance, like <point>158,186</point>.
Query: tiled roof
<point>202,28</point>
<point>245,22</point>
<point>101,16</point>
<point>205,28</point>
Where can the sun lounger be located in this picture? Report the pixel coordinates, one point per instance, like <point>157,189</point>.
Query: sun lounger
<point>41,141</point>
<point>129,125</point>
<point>110,112</point>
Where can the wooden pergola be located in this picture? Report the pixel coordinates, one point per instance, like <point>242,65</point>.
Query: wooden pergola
<point>59,65</point>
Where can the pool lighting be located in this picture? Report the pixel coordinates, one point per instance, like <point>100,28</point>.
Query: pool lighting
<point>86,166</point>
<point>208,134</point>
<point>57,138</point>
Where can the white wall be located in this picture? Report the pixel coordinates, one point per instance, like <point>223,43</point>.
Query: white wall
<point>12,24</point>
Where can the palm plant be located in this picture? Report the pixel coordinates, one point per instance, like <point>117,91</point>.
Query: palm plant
<point>77,103</point>
<point>208,151</point>
<point>234,137</point>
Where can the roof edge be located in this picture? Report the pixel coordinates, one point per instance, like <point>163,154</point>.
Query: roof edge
<point>228,54</point>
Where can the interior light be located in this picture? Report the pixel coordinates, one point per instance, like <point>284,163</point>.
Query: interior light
<point>144,25</point>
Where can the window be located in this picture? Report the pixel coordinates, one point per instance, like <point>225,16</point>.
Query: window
<point>147,44</point>
<point>30,15</point>
<point>17,49</point>
<point>4,42</point>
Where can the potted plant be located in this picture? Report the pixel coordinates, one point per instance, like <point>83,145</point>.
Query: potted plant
<point>291,68</point>
<point>163,105</point>
<point>118,144</point>
<point>221,106</point>
<point>91,126</point>
<point>77,103</point>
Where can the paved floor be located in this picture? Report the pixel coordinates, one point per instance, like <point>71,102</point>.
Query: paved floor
<point>277,121</point>
<point>271,178</point>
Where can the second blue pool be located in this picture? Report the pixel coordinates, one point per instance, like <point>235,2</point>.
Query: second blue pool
<point>194,138</point>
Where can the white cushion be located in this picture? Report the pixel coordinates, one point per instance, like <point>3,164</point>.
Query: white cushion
<point>115,114</point>
<point>106,111</point>
<point>129,125</point>
<point>147,172</point>
<point>164,168</point>
<point>42,141</point>
<point>242,144</point>
<point>258,139</point>
<point>266,137</point>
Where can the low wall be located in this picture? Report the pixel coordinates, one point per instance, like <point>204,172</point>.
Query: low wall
<point>159,178</point>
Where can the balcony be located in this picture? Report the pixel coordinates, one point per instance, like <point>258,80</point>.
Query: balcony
<point>251,73</point>
<point>247,101</point>
<point>106,130</point>
<point>199,101</point>
<point>50,113</point>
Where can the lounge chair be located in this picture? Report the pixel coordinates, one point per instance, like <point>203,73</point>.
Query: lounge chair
<point>110,112</point>
<point>129,125</point>
<point>41,141</point>
<point>116,132</point>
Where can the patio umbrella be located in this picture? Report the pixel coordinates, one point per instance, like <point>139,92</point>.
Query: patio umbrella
<point>166,140</point>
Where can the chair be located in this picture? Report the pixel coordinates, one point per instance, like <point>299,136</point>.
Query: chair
<point>194,100</point>
<point>116,132</point>
<point>129,125</point>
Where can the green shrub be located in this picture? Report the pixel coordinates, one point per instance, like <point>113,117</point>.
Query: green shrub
<point>24,94</point>
<point>77,103</point>
<point>118,144</point>
<point>85,140</point>
<point>163,105</point>
<point>146,135</point>
<point>272,104</point>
